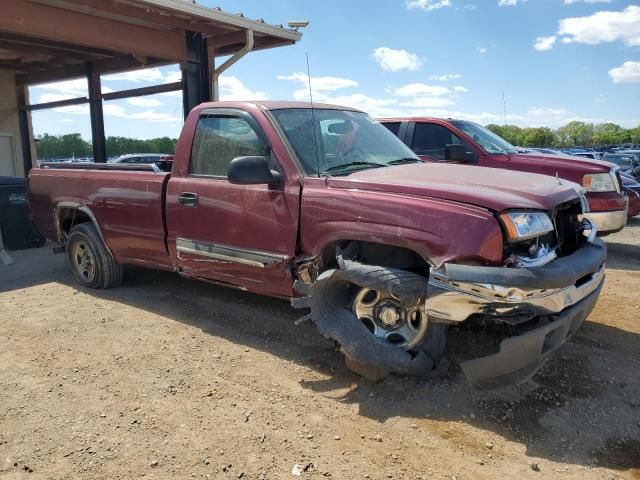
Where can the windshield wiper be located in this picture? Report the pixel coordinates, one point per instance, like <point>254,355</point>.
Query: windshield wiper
<point>402,161</point>
<point>346,166</point>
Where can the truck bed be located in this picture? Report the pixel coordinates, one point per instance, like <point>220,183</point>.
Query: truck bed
<point>126,200</point>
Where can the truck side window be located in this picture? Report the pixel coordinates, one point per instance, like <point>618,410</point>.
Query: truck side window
<point>393,127</point>
<point>430,139</point>
<point>218,140</point>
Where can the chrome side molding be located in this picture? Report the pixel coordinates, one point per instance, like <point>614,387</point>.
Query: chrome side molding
<point>253,258</point>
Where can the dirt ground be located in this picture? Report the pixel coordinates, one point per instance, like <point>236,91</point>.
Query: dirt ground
<point>170,378</point>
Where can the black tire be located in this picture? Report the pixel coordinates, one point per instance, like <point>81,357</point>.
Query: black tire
<point>329,299</point>
<point>91,263</point>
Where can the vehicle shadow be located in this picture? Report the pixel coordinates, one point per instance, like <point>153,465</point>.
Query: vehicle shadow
<point>622,256</point>
<point>576,411</point>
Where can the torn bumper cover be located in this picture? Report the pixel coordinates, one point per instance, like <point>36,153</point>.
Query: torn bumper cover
<point>563,292</point>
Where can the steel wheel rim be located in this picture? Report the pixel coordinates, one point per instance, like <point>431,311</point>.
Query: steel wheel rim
<point>84,261</point>
<point>385,317</point>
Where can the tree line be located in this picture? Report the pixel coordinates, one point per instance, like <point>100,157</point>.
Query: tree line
<point>573,134</point>
<point>73,145</point>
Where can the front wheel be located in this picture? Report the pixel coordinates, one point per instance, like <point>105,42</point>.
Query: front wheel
<point>91,263</point>
<point>377,316</point>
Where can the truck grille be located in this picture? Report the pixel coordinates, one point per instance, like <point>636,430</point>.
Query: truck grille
<point>568,230</point>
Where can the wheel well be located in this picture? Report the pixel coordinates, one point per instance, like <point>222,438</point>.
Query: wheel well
<point>371,253</point>
<point>68,217</point>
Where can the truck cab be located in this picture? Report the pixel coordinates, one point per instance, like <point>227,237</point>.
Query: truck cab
<point>461,141</point>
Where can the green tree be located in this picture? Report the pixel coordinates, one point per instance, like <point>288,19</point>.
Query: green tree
<point>511,133</point>
<point>539,137</point>
<point>576,134</point>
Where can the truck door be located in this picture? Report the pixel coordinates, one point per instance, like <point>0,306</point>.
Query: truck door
<point>243,235</point>
<point>428,141</point>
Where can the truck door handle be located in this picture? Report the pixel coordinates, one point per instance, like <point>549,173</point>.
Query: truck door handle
<point>188,199</point>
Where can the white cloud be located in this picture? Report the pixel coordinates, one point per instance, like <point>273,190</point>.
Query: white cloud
<point>469,7</point>
<point>460,89</point>
<point>603,26</point>
<point>412,89</point>
<point>320,83</point>
<point>377,107</point>
<point>136,76</point>
<point>173,76</point>
<point>68,88</point>
<point>532,117</point>
<point>543,44</point>
<point>571,2</point>
<point>320,86</point>
<point>231,88</point>
<point>446,77</point>
<point>144,102</point>
<point>428,102</point>
<point>510,3</point>
<point>629,72</point>
<point>396,60</point>
<point>114,110</point>
<point>481,50</point>
<point>428,5</point>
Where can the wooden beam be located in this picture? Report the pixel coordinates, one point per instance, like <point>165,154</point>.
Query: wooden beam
<point>98,141</point>
<point>57,104</point>
<point>234,38</point>
<point>19,16</point>
<point>60,55</point>
<point>146,15</point>
<point>57,46</point>
<point>139,92</point>
<point>104,66</point>
<point>25,132</point>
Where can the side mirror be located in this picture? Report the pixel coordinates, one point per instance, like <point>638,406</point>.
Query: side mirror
<point>252,171</point>
<point>458,153</point>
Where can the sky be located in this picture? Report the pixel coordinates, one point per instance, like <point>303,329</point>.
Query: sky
<point>547,61</point>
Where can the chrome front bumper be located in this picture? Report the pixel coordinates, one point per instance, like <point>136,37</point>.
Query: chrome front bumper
<point>457,301</point>
<point>552,301</point>
<point>608,222</point>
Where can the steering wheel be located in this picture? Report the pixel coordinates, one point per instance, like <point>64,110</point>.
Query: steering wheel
<point>353,153</point>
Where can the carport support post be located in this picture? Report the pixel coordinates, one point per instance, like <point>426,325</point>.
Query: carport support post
<point>97,115</point>
<point>25,131</point>
<point>195,73</point>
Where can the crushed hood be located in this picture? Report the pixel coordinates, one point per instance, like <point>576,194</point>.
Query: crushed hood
<point>490,188</point>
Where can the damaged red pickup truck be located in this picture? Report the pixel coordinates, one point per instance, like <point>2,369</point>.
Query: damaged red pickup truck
<point>325,206</point>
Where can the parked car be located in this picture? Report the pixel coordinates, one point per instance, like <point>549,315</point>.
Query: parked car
<point>593,155</point>
<point>161,160</point>
<point>627,160</point>
<point>547,151</point>
<point>460,141</point>
<point>325,206</point>
<point>632,188</point>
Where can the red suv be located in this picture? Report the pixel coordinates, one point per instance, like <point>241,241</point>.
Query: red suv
<point>461,141</point>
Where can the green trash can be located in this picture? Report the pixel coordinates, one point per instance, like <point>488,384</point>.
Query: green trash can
<point>17,231</point>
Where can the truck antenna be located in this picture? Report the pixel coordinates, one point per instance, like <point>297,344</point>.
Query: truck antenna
<point>504,105</point>
<point>313,117</point>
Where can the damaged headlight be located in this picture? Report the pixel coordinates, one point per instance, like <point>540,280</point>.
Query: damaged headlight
<point>525,225</point>
<point>600,182</point>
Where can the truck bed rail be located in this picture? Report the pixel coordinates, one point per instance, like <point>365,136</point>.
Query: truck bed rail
<point>138,167</point>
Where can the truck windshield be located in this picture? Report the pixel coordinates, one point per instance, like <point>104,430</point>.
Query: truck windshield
<point>489,141</point>
<point>338,142</point>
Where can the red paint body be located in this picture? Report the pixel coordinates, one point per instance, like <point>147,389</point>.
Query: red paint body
<point>444,213</point>
<point>566,168</point>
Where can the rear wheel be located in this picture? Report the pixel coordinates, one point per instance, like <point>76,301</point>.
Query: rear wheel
<point>91,263</point>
